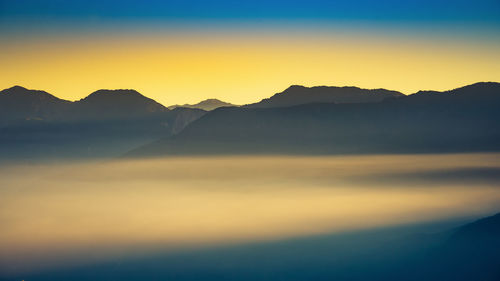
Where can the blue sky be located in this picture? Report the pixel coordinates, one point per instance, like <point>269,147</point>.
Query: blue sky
<point>242,51</point>
<point>480,11</point>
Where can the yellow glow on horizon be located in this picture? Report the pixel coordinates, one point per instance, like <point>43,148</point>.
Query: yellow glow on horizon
<point>241,69</point>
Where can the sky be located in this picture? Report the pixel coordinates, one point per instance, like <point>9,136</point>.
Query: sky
<point>242,51</point>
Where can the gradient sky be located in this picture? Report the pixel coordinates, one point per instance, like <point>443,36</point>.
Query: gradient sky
<point>242,51</point>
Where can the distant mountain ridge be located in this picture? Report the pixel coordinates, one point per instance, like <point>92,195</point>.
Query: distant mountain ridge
<point>208,105</point>
<point>460,120</point>
<point>35,124</point>
<point>18,103</point>
<point>116,104</point>
<point>296,95</point>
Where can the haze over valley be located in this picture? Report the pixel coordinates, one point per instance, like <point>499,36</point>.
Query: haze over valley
<point>346,140</point>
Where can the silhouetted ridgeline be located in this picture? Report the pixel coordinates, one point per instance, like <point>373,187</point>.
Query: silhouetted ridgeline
<point>323,120</point>
<point>208,105</point>
<point>106,123</point>
<point>472,252</point>
<point>464,119</point>
<point>18,104</point>
<point>296,95</point>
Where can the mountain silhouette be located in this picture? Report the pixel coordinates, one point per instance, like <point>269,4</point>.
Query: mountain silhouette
<point>207,105</point>
<point>472,252</point>
<point>116,104</point>
<point>296,95</point>
<point>18,104</point>
<point>482,230</point>
<point>35,124</point>
<point>464,119</point>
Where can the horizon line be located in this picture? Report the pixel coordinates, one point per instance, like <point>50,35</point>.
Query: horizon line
<point>292,85</point>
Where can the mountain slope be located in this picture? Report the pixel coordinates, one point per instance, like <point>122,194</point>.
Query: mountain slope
<point>484,229</point>
<point>296,95</point>
<point>471,253</point>
<point>413,252</point>
<point>116,104</point>
<point>464,119</point>
<point>18,103</point>
<point>207,105</point>
<point>35,124</point>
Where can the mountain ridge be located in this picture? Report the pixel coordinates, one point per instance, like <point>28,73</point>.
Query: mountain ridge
<point>119,103</point>
<point>453,121</point>
<point>458,120</point>
<point>298,94</point>
<point>106,123</point>
<point>19,103</point>
<point>207,104</point>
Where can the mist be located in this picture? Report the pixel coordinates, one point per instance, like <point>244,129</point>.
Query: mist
<point>56,215</point>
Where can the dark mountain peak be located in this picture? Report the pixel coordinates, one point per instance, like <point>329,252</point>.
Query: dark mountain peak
<point>14,89</point>
<point>294,88</point>
<point>214,103</point>
<point>297,94</point>
<point>480,86</point>
<point>120,97</point>
<point>476,90</point>
<point>116,104</point>
<point>303,89</point>
<point>21,93</point>
<point>118,93</point>
<point>210,100</point>
<point>18,103</point>
<point>207,105</point>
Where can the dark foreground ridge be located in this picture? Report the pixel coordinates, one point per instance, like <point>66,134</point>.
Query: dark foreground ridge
<point>461,120</point>
<point>418,252</point>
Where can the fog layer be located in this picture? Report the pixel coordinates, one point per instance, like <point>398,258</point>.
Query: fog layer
<point>71,213</point>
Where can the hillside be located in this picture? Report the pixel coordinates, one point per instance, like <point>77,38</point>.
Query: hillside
<point>464,119</point>
<point>18,104</point>
<point>36,125</point>
<point>296,95</point>
<point>207,105</point>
